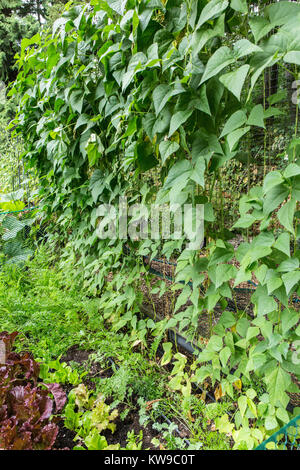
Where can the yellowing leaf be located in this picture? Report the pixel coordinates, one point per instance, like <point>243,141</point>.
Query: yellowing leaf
<point>219,392</point>
<point>237,384</point>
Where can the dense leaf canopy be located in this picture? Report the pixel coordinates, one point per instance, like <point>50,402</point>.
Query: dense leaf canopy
<point>149,99</point>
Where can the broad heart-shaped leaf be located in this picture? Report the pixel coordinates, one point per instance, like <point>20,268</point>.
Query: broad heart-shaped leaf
<point>263,239</point>
<point>235,136</point>
<point>234,81</point>
<point>178,119</point>
<point>227,319</point>
<point>292,57</point>
<point>94,151</point>
<point>83,120</point>
<point>288,265</point>
<point>291,170</point>
<point>277,381</point>
<point>118,5</point>
<point>272,179</point>
<point>242,403</point>
<point>282,12</point>
<point>217,62</point>
<point>277,97</point>
<point>224,272</point>
<point>148,123</point>
<point>260,273</point>
<point>260,27</point>
<point>197,174</point>
<point>182,298</point>
<point>136,64</point>
<point>263,302</point>
<point>215,343</point>
<point>283,415</point>
<point>271,111</point>
<point>160,96</point>
<point>97,184</point>
<point>223,425</point>
<point>283,243</point>
<point>211,300</point>
<point>145,17</point>
<point>162,121</point>
<point>145,156</point>
<point>181,170</point>
<point>273,283</point>
<point>200,38</point>
<point>270,422</point>
<point>76,100</point>
<point>242,276</point>
<point>166,148</point>
<point>212,10</point>
<point>235,121</point>
<point>274,198</point>
<point>224,355</point>
<point>252,332</point>
<point>286,213</point>
<point>289,318</point>
<point>255,253</point>
<point>256,117</point>
<point>244,47</point>
<point>262,65</point>
<point>239,5</point>
<point>202,103</point>
<point>162,93</point>
<point>290,280</point>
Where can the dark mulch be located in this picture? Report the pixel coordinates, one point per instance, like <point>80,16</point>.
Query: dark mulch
<point>95,370</point>
<point>130,423</point>
<point>75,354</point>
<point>65,436</point>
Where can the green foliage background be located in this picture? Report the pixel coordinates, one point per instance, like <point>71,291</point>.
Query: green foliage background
<point>151,99</point>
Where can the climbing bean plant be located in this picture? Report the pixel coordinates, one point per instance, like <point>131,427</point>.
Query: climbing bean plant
<point>150,98</point>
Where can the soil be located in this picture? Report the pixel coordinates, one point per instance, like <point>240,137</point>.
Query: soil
<point>95,369</point>
<point>130,423</point>
<point>65,437</point>
<point>75,354</point>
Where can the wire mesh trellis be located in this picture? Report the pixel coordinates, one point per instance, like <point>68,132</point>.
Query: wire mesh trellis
<point>17,235</point>
<point>262,149</point>
<point>286,438</point>
<point>19,177</point>
<point>15,179</point>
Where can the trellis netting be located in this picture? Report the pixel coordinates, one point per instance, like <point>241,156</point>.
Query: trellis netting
<point>286,438</point>
<point>15,227</point>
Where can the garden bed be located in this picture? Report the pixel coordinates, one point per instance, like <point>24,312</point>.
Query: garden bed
<point>130,424</point>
